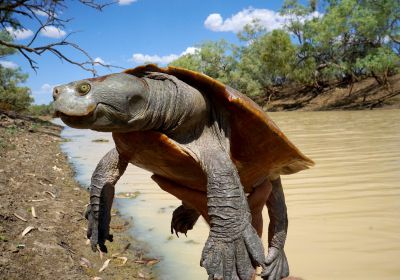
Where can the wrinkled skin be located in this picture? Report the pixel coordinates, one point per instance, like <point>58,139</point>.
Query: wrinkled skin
<point>125,104</point>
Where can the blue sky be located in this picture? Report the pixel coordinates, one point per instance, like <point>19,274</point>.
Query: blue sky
<point>131,32</point>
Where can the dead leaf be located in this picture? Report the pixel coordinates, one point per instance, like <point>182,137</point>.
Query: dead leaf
<point>51,194</point>
<point>105,265</point>
<point>85,262</point>
<point>123,250</point>
<point>33,211</point>
<point>19,217</point>
<point>152,262</point>
<point>37,200</point>
<point>66,246</point>
<point>100,253</point>
<point>124,260</point>
<point>147,261</point>
<point>117,227</point>
<point>27,230</point>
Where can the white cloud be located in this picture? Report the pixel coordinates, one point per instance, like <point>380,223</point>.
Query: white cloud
<point>43,95</point>
<point>52,32</point>
<point>125,2</point>
<point>99,60</point>
<point>214,22</point>
<point>145,58</point>
<point>267,18</point>
<point>45,90</point>
<point>8,64</point>
<point>40,13</point>
<point>190,50</point>
<point>19,34</point>
<point>43,13</point>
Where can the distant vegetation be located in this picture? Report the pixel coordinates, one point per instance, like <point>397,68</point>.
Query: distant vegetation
<point>41,110</point>
<point>12,95</point>
<point>349,41</point>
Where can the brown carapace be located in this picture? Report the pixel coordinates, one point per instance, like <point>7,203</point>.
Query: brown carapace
<point>258,147</point>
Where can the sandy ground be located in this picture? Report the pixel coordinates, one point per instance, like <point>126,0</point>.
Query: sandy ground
<point>36,180</point>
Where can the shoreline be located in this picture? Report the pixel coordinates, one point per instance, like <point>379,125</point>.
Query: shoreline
<point>38,191</point>
<point>365,94</point>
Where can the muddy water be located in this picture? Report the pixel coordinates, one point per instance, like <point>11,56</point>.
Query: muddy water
<point>344,213</point>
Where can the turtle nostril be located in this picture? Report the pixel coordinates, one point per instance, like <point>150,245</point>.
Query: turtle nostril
<point>56,93</point>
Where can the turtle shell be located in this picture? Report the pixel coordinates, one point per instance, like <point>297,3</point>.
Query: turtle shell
<point>259,148</point>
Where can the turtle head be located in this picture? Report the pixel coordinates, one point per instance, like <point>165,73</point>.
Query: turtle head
<point>108,103</point>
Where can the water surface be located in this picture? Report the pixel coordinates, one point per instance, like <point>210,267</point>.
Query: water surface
<point>344,214</point>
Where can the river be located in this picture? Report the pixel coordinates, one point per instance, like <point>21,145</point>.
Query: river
<point>344,213</point>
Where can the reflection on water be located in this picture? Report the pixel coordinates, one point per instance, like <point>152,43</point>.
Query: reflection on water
<point>344,213</point>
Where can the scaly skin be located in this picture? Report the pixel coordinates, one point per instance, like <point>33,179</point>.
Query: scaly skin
<point>276,259</point>
<point>123,103</point>
<point>107,173</point>
<point>233,243</point>
<point>195,204</point>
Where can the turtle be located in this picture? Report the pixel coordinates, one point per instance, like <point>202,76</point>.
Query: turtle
<point>207,144</point>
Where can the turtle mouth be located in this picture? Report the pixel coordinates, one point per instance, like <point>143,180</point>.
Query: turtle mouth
<point>59,114</point>
<point>89,110</point>
<point>77,121</point>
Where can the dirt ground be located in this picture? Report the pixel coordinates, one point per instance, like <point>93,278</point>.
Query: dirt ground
<point>37,190</point>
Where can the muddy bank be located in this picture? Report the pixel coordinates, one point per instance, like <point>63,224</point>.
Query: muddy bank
<point>38,190</point>
<point>363,95</point>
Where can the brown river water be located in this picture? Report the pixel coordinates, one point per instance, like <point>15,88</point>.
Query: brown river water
<point>344,213</point>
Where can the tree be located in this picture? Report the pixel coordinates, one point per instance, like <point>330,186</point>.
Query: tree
<point>349,32</point>
<point>41,110</point>
<point>214,59</point>
<point>188,61</point>
<point>347,41</point>
<point>12,96</point>
<point>266,60</point>
<point>15,14</point>
<point>379,63</point>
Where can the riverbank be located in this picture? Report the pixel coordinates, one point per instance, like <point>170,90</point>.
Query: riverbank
<point>40,198</point>
<point>363,95</point>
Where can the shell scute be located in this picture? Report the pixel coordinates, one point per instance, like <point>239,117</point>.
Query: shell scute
<point>258,147</point>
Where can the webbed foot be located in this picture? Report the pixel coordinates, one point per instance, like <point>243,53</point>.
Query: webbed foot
<point>98,230</point>
<point>235,258</point>
<point>277,265</point>
<point>183,219</point>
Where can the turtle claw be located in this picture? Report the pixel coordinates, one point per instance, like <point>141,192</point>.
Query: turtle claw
<point>183,219</point>
<point>233,259</point>
<point>277,265</point>
<point>98,231</point>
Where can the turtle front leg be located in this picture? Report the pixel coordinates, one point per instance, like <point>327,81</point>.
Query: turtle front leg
<point>278,267</point>
<point>233,246</point>
<point>108,171</point>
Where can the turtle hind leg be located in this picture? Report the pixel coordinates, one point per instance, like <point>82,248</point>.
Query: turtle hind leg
<point>277,264</point>
<point>183,219</point>
<point>194,204</point>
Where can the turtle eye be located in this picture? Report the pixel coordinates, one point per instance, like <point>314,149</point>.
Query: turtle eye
<point>83,88</point>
